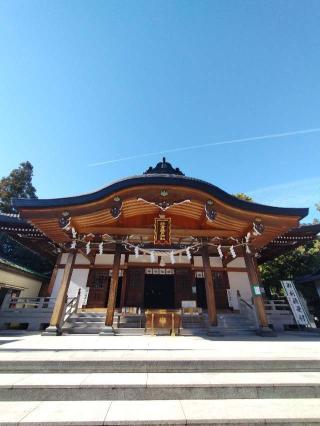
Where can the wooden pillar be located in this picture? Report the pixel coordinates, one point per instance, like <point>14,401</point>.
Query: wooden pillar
<point>254,279</point>
<point>123,288</point>
<point>53,276</point>
<point>211,302</point>
<point>114,286</point>
<point>58,309</point>
<point>124,284</point>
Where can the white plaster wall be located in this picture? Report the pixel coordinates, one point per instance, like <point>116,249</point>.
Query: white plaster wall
<point>78,280</point>
<point>197,261</point>
<point>184,259</point>
<point>57,283</point>
<point>239,281</point>
<point>31,291</point>
<point>238,262</point>
<point>29,286</point>
<point>104,259</point>
<point>143,258</point>
<point>215,262</point>
<point>64,258</point>
<point>81,259</point>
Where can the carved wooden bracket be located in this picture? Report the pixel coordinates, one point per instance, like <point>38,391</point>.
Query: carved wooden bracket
<point>210,211</point>
<point>164,204</point>
<point>116,207</point>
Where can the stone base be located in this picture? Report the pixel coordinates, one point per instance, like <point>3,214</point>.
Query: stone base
<point>266,332</point>
<point>214,331</point>
<point>52,330</point>
<point>107,331</point>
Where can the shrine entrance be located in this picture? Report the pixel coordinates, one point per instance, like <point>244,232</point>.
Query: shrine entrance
<point>159,291</point>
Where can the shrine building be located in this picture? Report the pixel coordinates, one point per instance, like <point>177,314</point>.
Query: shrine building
<point>158,245</point>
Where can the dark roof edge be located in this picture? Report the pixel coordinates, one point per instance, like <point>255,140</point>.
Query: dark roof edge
<point>153,179</point>
<point>21,269</point>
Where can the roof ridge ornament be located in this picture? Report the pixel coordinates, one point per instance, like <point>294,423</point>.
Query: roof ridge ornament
<point>163,167</point>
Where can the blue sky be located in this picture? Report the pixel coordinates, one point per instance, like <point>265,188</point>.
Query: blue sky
<point>83,82</point>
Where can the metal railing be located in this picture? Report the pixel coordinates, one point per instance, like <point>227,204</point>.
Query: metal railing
<point>247,310</point>
<point>277,305</point>
<point>34,311</point>
<point>279,313</point>
<point>28,303</point>
<point>71,307</point>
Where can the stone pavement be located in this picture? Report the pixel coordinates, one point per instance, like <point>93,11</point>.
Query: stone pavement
<point>135,380</point>
<point>287,346</point>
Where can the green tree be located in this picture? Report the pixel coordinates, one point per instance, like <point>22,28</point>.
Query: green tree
<point>304,260</point>
<point>17,184</point>
<point>243,196</point>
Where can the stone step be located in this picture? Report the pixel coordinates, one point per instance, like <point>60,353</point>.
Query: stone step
<point>90,314</point>
<point>186,330</point>
<point>86,319</point>
<point>129,331</point>
<point>84,329</point>
<point>158,386</point>
<point>225,411</point>
<point>118,361</point>
<point>131,325</point>
<point>92,322</point>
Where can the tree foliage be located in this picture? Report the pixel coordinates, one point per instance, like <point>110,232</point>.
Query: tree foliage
<point>243,196</point>
<point>17,184</point>
<point>302,261</point>
<point>17,253</point>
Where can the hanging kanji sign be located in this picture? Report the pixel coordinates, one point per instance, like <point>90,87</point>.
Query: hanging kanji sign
<point>162,231</point>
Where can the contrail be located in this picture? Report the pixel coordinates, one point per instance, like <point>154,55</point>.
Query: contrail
<point>225,142</point>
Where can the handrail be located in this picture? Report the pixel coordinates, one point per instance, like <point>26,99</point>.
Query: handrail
<point>246,303</point>
<point>23,303</point>
<point>247,310</point>
<point>71,308</point>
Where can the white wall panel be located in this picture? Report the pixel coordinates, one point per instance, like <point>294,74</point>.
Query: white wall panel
<point>104,259</point>
<point>143,258</point>
<point>238,262</point>
<point>215,262</point>
<point>197,261</point>
<point>64,258</point>
<point>239,281</point>
<point>81,259</point>
<point>78,281</point>
<point>57,283</point>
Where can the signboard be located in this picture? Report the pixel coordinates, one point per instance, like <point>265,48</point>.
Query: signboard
<point>256,290</point>
<point>85,296</point>
<point>162,231</point>
<point>298,310</point>
<point>229,295</point>
<point>188,304</point>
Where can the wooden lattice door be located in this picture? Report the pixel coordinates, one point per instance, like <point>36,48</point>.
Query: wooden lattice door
<point>98,284</point>
<point>221,284</point>
<point>135,288</point>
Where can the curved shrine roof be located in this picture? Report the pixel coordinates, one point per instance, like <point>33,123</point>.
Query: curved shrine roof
<point>162,174</point>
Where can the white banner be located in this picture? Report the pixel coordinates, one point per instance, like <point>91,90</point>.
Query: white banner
<point>297,308</point>
<point>85,295</point>
<point>229,295</point>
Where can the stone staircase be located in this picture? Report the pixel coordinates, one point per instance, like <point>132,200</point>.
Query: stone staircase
<point>194,325</point>
<point>235,324</point>
<point>85,323</point>
<point>160,391</point>
<point>93,322</point>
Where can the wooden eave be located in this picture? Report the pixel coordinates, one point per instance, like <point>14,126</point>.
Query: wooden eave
<point>233,218</point>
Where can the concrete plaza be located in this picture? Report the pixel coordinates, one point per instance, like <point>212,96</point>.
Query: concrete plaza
<point>32,346</point>
<point>118,380</point>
